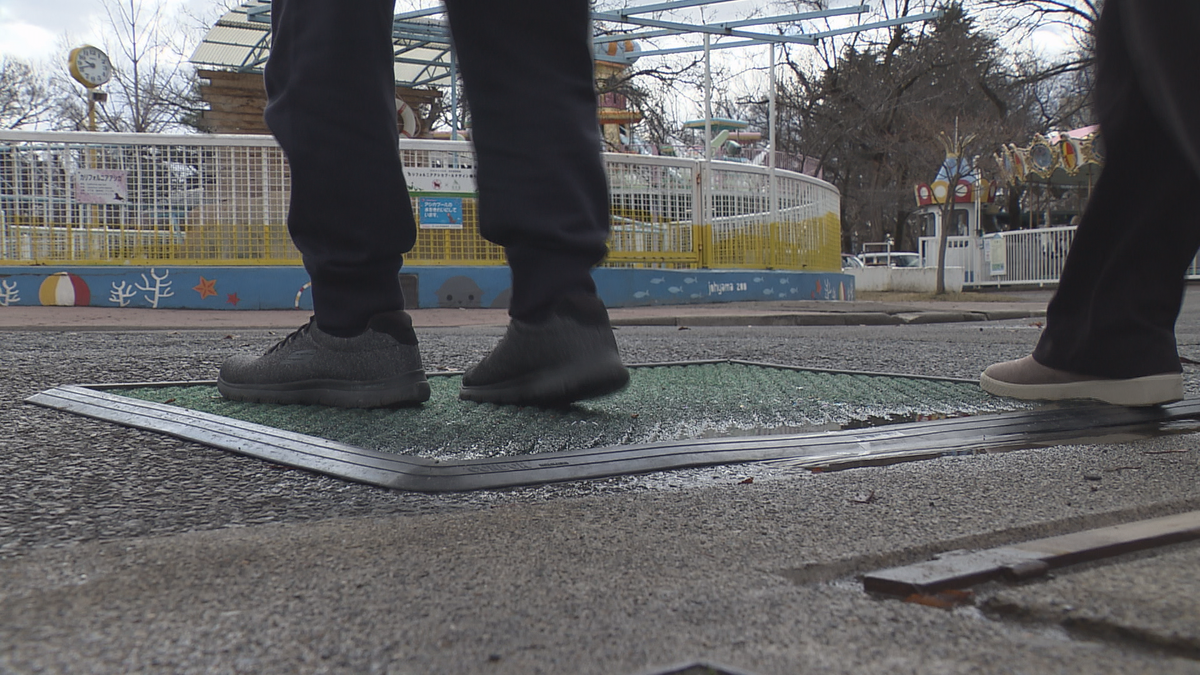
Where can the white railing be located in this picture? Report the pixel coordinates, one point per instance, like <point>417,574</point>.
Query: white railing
<point>1029,257</point>
<point>222,199</point>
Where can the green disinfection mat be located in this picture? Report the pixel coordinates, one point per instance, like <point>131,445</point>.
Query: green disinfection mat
<point>671,416</point>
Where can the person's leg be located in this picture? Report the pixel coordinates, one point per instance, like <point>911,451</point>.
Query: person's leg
<point>1120,291</point>
<point>527,68</point>
<point>331,105</point>
<point>1161,38</point>
<point>1110,326</point>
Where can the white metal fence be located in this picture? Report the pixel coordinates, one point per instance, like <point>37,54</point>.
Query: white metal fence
<point>1017,258</point>
<point>213,199</point>
<point>173,198</point>
<point>1020,257</point>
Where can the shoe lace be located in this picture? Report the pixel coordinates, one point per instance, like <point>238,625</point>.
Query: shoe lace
<point>301,331</point>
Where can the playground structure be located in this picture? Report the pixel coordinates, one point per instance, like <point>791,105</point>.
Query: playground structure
<point>616,117</point>
<point>729,135</point>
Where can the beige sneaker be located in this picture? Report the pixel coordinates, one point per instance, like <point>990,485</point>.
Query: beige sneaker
<point>1027,379</point>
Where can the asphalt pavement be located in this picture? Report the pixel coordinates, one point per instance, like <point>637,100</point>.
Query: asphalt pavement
<point>126,551</point>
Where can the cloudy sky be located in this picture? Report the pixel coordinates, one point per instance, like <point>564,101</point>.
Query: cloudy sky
<point>32,29</point>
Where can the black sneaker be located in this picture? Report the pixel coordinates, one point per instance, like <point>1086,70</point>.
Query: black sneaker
<point>569,356</point>
<point>381,367</point>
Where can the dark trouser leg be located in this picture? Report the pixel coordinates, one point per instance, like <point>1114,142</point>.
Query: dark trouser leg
<point>331,104</point>
<point>527,70</point>
<point>1122,285</point>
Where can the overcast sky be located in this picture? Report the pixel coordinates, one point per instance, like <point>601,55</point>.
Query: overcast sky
<point>31,29</point>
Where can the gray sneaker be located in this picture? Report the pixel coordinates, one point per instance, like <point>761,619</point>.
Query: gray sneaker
<point>569,356</point>
<point>381,367</point>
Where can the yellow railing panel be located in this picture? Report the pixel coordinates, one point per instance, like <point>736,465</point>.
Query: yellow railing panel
<point>222,200</point>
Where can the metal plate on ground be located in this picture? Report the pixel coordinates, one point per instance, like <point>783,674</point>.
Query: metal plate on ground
<point>1016,562</point>
<point>671,416</point>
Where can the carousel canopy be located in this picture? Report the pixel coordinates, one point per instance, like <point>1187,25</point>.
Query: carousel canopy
<point>1070,158</point>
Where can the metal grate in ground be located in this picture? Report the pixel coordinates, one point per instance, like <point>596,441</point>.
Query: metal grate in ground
<point>671,416</point>
<point>668,402</point>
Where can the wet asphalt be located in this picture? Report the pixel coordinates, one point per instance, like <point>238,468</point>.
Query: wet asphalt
<point>129,551</point>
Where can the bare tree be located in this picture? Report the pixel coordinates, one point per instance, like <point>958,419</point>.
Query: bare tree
<point>872,114</point>
<point>26,98</point>
<point>1062,83</point>
<point>153,87</point>
<point>958,167</point>
<point>1074,18</point>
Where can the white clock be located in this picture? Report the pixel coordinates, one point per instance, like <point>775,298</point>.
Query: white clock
<point>90,66</point>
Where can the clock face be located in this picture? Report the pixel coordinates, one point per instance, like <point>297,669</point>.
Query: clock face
<point>90,66</point>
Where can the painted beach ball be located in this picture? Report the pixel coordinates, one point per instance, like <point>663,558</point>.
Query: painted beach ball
<point>64,290</point>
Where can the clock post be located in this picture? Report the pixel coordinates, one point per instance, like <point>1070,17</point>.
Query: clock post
<point>91,68</point>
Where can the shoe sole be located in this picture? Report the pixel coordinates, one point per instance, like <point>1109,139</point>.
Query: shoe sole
<point>551,388</point>
<point>408,389</point>
<point>1134,392</point>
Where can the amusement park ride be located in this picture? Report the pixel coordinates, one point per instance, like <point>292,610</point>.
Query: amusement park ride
<point>976,238</point>
<point>235,49</point>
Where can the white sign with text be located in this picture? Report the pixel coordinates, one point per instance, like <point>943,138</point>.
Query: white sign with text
<point>101,186</point>
<point>427,180</point>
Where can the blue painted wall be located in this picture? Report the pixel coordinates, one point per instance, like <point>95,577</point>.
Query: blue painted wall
<point>287,287</point>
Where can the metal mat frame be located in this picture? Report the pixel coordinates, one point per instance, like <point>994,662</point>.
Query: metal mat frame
<point>892,443</point>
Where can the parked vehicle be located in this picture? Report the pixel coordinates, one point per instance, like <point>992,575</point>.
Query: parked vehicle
<point>851,262</point>
<point>892,259</point>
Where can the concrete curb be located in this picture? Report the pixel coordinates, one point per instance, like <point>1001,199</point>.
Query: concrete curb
<point>828,318</point>
<point>789,314</point>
